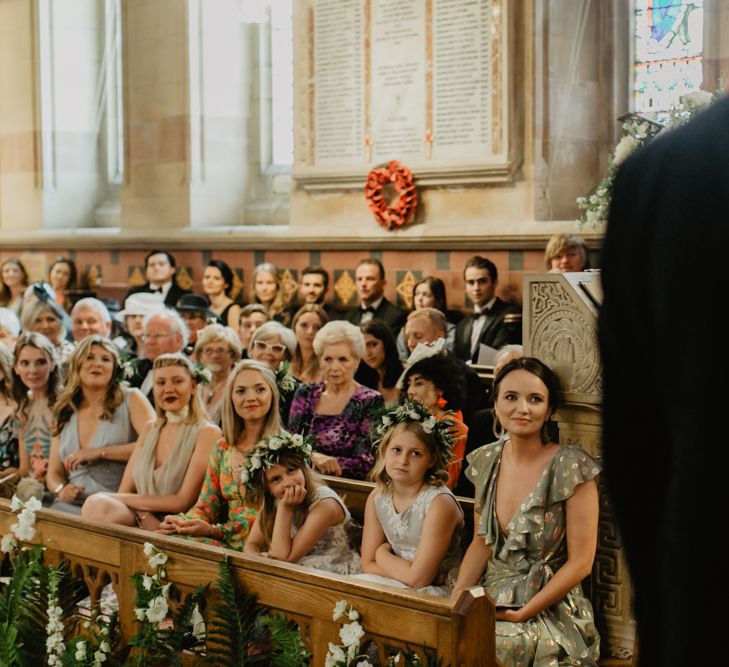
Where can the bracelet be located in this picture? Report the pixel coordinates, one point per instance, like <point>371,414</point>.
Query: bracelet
<point>140,517</point>
<point>103,452</point>
<point>59,487</point>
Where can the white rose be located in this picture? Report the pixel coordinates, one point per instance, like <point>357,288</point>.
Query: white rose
<point>33,504</point>
<point>139,614</point>
<point>157,610</point>
<point>147,582</point>
<point>99,657</point>
<point>8,543</point>
<point>386,420</point>
<point>158,560</point>
<point>104,646</point>
<point>429,424</point>
<point>255,462</point>
<point>274,444</point>
<point>351,633</point>
<point>353,614</point>
<point>335,656</point>
<point>339,609</point>
<point>149,548</point>
<point>23,532</point>
<point>624,148</point>
<point>80,651</point>
<point>16,504</point>
<point>298,439</point>
<point>414,415</point>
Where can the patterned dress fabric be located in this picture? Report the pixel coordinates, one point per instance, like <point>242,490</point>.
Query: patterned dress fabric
<point>344,436</point>
<point>9,443</point>
<point>523,561</point>
<point>221,502</point>
<point>36,435</point>
<point>404,529</point>
<point>333,552</point>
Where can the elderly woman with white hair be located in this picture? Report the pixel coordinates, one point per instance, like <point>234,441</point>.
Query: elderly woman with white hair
<point>275,345</point>
<point>217,348</point>
<point>337,412</point>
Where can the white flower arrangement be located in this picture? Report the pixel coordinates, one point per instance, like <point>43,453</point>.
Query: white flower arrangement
<point>638,132</point>
<point>24,529</point>
<point>157,609</point>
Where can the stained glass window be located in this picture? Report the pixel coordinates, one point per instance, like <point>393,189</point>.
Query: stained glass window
<point>669,48</point>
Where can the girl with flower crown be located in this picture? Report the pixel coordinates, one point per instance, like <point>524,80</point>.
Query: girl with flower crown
<point>413,523</point>
<point>96,425</point>
<point>301,520</point>
<point>223,514</point>
<point>167,467</point>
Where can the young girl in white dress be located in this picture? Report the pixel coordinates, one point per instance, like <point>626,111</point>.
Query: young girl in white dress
<point>301,520</point>
<point>413,523</point>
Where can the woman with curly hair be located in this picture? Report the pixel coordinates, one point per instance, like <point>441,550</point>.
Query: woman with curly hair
<point>97,420</point>
<point>436,381</point>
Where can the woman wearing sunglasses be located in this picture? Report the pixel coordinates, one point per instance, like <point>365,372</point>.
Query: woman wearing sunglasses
<point>275,345</point>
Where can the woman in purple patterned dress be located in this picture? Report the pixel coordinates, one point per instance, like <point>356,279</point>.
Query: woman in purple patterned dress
<point>337,411</point>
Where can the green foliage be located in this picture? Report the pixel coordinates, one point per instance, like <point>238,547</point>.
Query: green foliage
<point>287,649</point>
<point>22,610</point>
<point>233,630</point>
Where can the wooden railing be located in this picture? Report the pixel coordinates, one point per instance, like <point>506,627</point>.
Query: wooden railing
<point>461,632</point>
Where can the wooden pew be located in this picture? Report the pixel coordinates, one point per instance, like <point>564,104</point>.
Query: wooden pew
<point>462,632</point>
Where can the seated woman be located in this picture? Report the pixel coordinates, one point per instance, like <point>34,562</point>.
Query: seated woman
<point>381,355</point>
<point>223,514</point>
<point>168,464</point>
<point>36,383</point>
<point>13,281</point>
<point>266,289</point>
<point>275,345</point>
<point>8,427</point>
<point>218,349</point>
<point>565,253</point>
<point>217,285</point>
<point>413,524</point>
<point>535,526</point>
<point>46,317</point>
<point>96,425</point>
<point>301,519</point>
<point>62,278</point>
<point>436,381</point>
<point>306,324</point>
<point>338,410</point>
<point>430,292</point>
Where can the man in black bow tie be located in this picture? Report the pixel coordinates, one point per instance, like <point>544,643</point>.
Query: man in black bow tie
<point>370,280</point>
<point>159,269</point>
<point>486,325</point>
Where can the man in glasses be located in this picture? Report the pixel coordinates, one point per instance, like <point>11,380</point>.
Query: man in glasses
<point>164,333</point>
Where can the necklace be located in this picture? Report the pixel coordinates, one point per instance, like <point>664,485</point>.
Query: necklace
<point>179,416</point>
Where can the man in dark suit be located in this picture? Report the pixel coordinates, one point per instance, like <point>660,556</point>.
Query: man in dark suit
<point>159,269</point>
<point>486,325</point>
<point>664,278</point>
<point>370,280</point>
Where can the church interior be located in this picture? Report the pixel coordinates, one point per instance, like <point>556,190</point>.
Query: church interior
<point>415,134</point>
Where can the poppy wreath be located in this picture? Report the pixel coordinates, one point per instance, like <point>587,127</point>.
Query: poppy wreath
<point>391,216</point>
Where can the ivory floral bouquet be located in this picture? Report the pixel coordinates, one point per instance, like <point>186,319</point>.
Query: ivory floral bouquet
<point>638,131</point>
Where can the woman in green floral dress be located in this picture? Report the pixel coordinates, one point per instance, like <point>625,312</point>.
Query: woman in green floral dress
<point>535,527</point>
<point>223,515</point>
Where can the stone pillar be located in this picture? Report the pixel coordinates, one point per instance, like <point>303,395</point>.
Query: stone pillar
<point>21,207</point>
<point>155,196</point>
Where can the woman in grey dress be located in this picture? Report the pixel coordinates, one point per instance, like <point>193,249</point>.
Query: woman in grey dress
<point>168,464</point>
<point>96,425</point>
<point>535,527</point>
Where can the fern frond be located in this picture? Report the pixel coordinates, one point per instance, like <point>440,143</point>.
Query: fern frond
<point>287,649</point>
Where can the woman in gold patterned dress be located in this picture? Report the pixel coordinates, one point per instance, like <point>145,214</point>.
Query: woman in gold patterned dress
<point>535,527</point>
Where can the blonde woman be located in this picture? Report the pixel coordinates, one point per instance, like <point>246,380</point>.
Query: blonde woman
<point>306,324</point>
<point>96,425</point>
<point>218,348</point>
<point>223,514</point>
<point>167,466</point>
<point>47,318</point>
<point>266,290</point>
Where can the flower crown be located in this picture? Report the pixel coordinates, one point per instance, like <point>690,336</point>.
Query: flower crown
<point>269,452</point>
<point>412,411</point>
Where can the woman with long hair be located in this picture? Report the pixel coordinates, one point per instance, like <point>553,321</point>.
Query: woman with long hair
<point>97,420</point>
<point>223,514</point>
<point>46,317</point>
<point>62,276</point>
<point>8,424</point>
<point>14,279</point>
<point>266,289</point>
<point>381,355</point>
<point>168,464</point>
<point>217,285</point>
<point>36,384</point>
<point>306,323</point>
